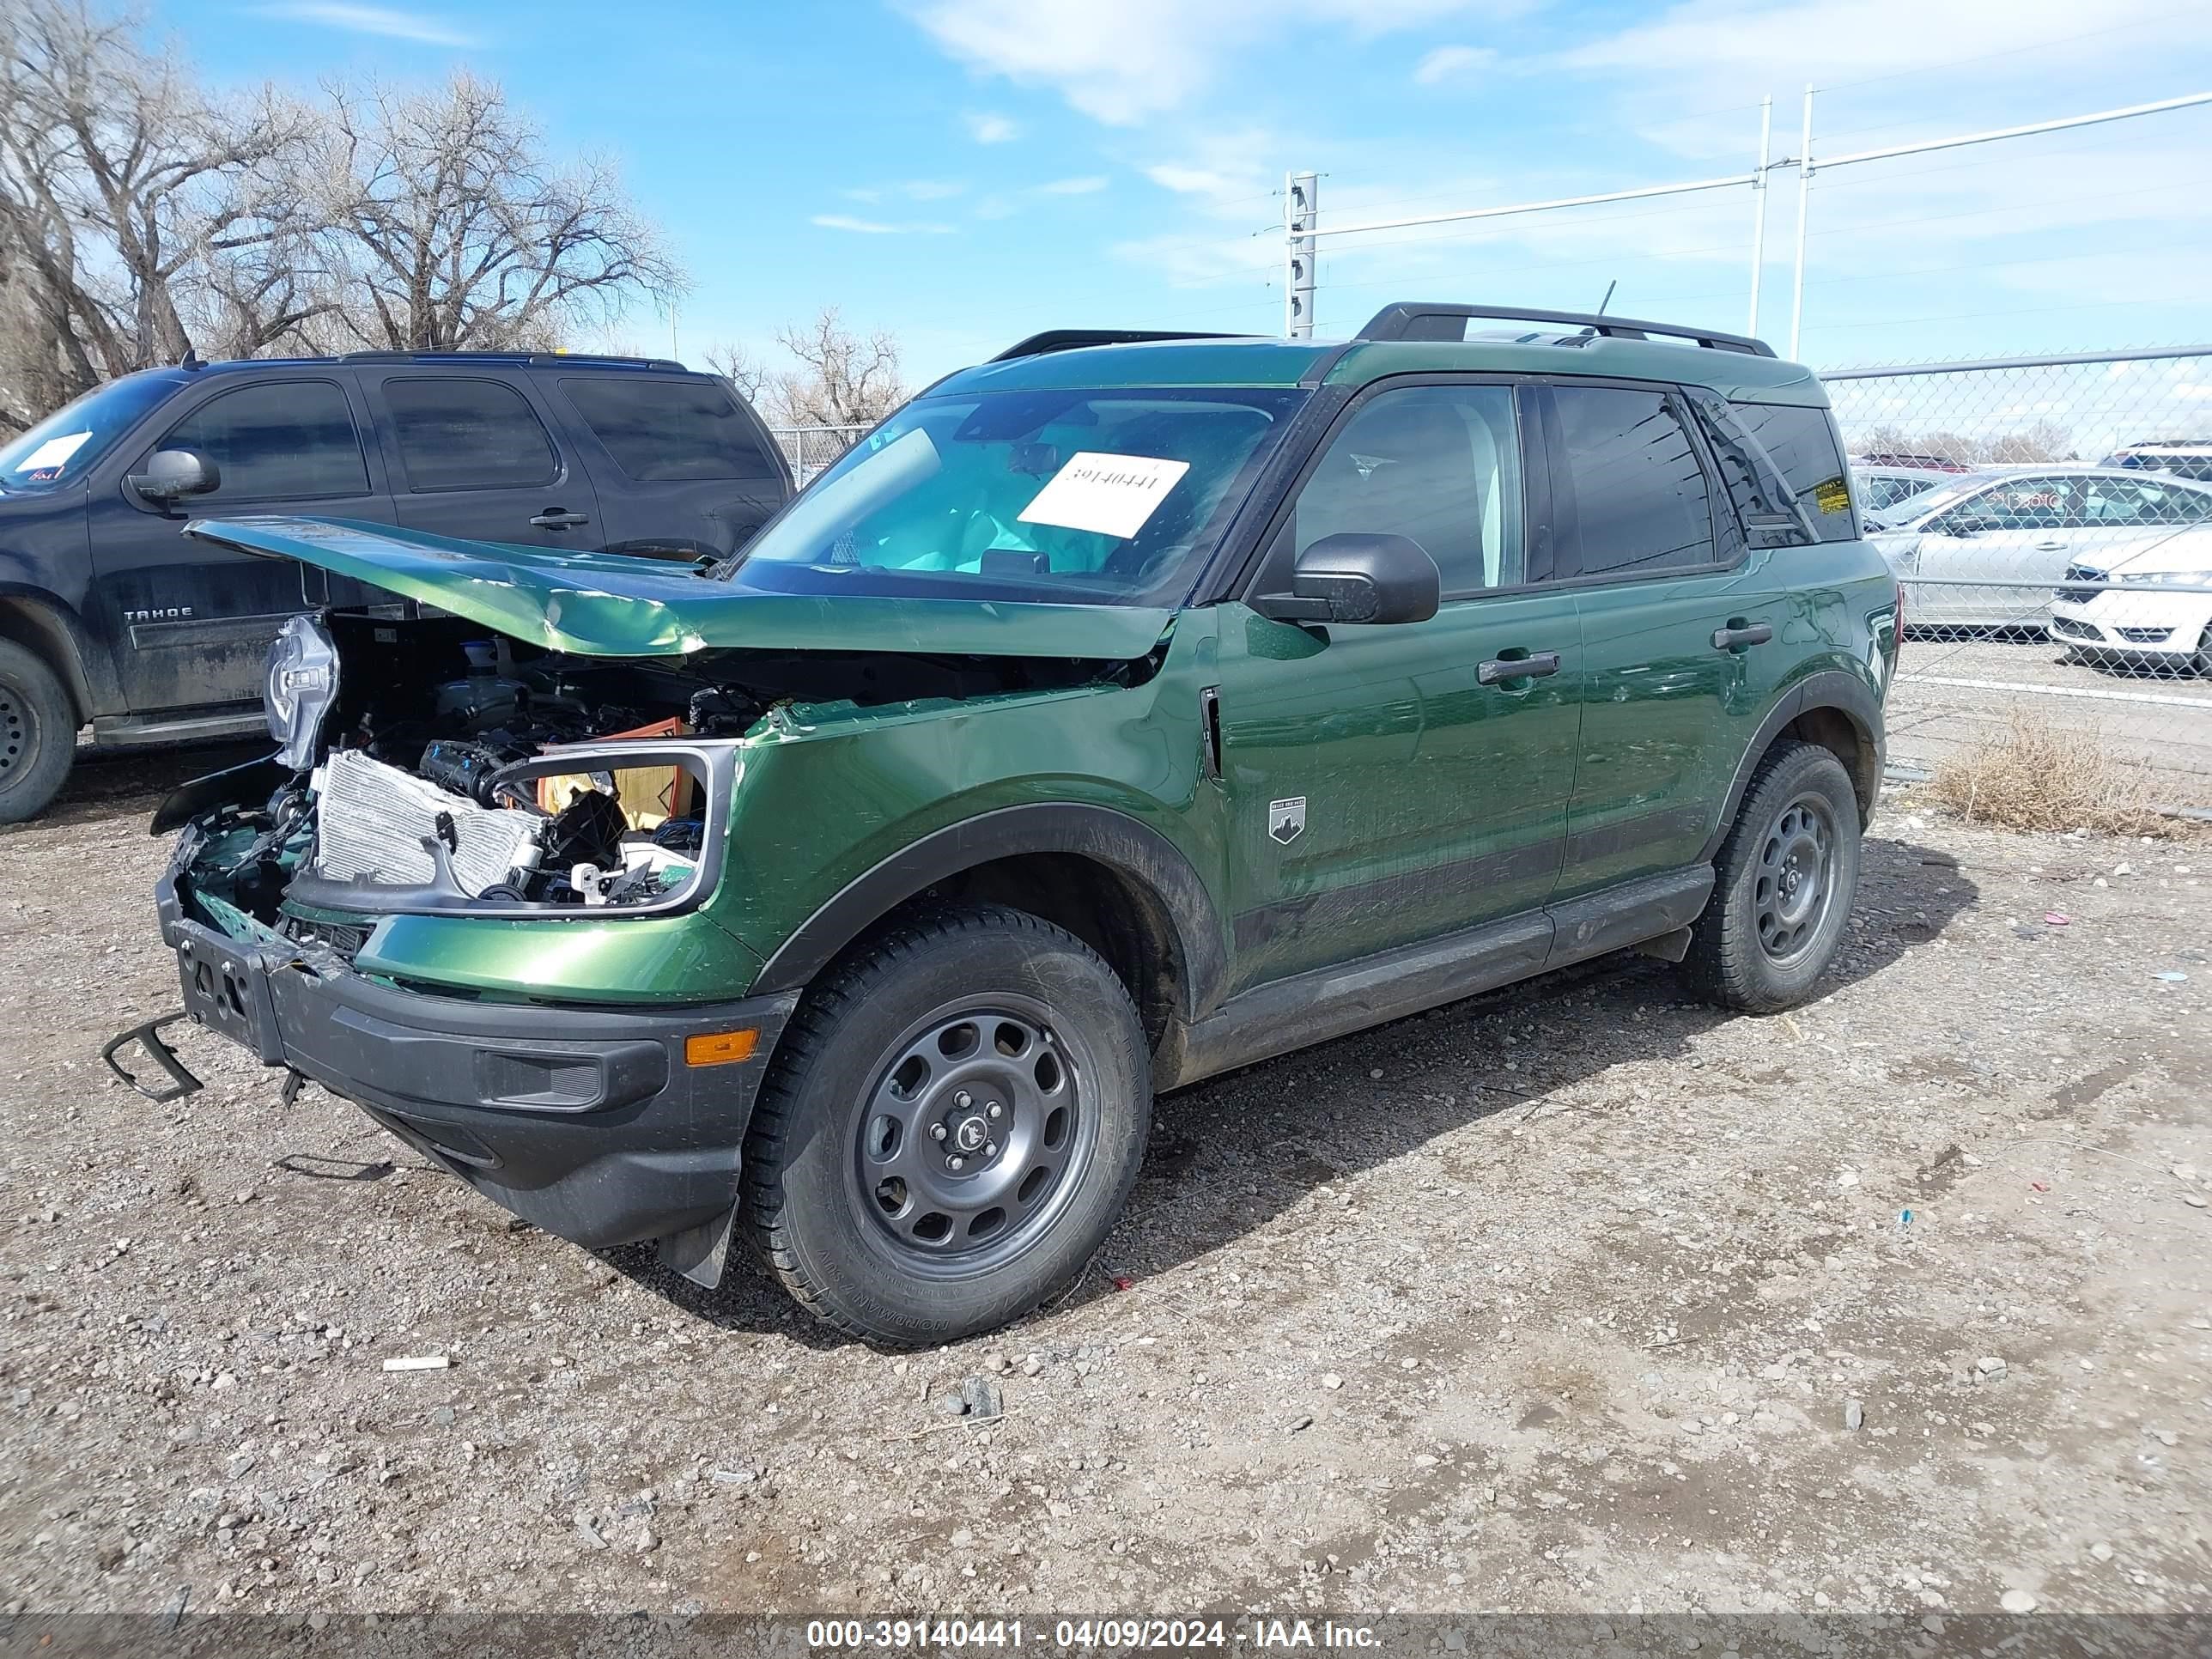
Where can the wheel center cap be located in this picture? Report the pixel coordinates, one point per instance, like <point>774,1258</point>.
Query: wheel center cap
<point>969,1132</point>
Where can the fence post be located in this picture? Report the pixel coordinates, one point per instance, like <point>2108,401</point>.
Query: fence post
<point>1758,206</point>
<point>1804,203</point>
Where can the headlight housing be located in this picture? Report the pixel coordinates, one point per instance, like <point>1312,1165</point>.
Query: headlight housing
<point>302,685</point>
<point>2168,578</point>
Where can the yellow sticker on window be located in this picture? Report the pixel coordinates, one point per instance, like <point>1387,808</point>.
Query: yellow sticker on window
<point>1832,495</point>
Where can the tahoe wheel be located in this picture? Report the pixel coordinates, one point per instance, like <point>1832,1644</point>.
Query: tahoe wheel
<point>955,1118</point>
<point>1784,884</point>
<point>38,734</point>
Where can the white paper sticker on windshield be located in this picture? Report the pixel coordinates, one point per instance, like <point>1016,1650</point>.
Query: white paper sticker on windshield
<point>53,452</point>
<point>1110,495</point>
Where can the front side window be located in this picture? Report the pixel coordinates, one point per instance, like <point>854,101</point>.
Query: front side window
<point>62,448</point>
<point>1438,463</point>
<point>665,430</point>
<point>277,441</point>
<point>1640,501</point>
<point>1077,496</point>
<point>2027,503</point>
<point>460,433</point>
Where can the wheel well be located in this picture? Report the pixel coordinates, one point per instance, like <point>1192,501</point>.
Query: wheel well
<point>1121,918</point>
<point>1836,732</point>
<point>38,630</point>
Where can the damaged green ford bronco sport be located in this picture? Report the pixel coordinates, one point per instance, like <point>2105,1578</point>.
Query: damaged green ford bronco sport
<point>1123,710</point>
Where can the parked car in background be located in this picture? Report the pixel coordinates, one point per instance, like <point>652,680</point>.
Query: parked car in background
<point>110,615</point>
<point>2185,458</point>
<point>2158,619</point>
<point>1915,461</point>
<point>1882,490</point>
<point>1987,549</point>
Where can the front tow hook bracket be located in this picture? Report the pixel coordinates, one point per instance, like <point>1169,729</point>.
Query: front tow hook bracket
<point>149,1037</point>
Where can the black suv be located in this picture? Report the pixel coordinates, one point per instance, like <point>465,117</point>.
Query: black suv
<point>108,614</point>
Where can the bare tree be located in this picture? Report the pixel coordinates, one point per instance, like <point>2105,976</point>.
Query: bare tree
<point>2044,439</point>
<point>842,379</point>
<point>453,230</point>
<point>122,187</point>
<point>753,379</point>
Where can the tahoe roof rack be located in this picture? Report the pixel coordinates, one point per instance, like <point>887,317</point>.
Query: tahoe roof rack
<point>1410,319</point>
<point>585,358</point>
<point>1067,339</point>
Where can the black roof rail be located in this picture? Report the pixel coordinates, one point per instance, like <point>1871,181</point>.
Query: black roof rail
<point>535,358</point>
<point>1408,319</point>
<point>1067,339</point>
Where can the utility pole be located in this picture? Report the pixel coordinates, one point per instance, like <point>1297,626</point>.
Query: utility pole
<point>1301,202</point>
<point>1759,207</point>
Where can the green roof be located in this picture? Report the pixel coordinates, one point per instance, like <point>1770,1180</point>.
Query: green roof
<point>1272,362</point>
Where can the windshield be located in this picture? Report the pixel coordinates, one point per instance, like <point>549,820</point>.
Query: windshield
<point>62,448</point>
<point>1083,497</point>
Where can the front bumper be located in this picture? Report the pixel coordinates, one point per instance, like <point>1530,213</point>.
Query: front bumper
<point>588,1121</point>
<point>2134,621</point>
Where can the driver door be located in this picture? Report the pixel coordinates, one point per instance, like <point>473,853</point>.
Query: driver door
<point>1992,559</point>
<point>1383,788</point>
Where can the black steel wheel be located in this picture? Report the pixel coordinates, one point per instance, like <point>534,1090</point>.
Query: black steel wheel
<point>1783,885</point>
<point>951,1123</point>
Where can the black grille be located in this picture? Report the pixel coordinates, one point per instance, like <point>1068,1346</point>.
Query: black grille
<point>2146,636</point>
<point>2074,630</point>
<point>344,938</point>
<point>2080,573</point>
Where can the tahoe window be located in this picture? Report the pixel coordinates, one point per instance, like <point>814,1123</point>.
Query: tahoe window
<point>660,431</point>
<point>278,440</point>
<point>1641,502</point>
<point>1438,463</point>
<point>456,433</point>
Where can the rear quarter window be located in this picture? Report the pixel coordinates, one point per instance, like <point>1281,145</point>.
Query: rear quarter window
<point>1802,442</point>
<point>661,431</point>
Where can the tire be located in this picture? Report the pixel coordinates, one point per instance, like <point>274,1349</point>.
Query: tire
<point>2201,662</point>
<point>941,1018</point>
<point>38,734</point>
<point>1766,939</point>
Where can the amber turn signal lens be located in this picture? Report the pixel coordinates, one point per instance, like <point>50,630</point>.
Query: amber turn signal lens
<point>719,1047</point>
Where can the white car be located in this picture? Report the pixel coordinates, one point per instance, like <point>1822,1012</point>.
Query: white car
<point>2159,616</point>
<point>1987,549</point>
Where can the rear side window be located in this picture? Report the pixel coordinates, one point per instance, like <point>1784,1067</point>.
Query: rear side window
<point>666,430</point>
<point>1640,498</point>
<point>1802,443</point>
<point>461,433</point>
<point>277,441</point>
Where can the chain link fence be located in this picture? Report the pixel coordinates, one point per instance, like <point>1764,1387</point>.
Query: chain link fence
<point>2051,520</point>
<point>811,449</point>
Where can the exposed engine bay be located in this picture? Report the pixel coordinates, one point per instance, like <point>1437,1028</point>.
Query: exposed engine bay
<point>429,768</point>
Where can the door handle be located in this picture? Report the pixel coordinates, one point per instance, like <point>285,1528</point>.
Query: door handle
<point>2051,547</point>
<point>1739,639</point>
<point>1532,667</point>
<point>560,518</point>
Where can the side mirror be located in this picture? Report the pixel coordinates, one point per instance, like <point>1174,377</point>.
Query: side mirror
<point>171,474</point>
<point>1354,577</point>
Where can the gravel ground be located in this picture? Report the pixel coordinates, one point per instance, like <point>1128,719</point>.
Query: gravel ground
<point>1573,1297</point>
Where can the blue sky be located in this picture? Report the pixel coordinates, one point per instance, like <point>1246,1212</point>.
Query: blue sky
<point>964,172</point>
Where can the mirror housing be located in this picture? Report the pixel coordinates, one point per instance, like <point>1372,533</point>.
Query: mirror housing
<point>171,474</point>
<point>1354,577</point>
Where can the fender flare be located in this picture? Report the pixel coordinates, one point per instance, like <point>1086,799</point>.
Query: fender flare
<point>58,635</point>
<point>1847,694</point>
<point>1133,849</point>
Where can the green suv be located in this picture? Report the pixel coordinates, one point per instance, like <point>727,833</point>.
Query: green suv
<point>1123,710</point>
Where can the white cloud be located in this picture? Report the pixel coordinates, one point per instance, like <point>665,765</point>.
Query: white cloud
<point>986,128</point>
<point>1451,63</point>
<point>375,20</point>
<point>1089,184</point>
<point>1122,62</point>
<point>876,227</point>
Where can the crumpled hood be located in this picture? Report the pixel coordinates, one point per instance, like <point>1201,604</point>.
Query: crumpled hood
<point>613,604</point>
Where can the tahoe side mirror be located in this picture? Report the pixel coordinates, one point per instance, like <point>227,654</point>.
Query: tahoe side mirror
<point>171,474</point>
<point>1354,577</point>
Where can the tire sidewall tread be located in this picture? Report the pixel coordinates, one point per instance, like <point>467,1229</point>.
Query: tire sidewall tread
<point>27,790</point>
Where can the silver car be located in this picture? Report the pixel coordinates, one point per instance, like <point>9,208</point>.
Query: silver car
<point>1985,548</point>
<point>1884,490</point>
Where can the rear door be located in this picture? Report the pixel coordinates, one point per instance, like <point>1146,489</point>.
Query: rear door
<point>1679,623</point>
<point>682,467</point>
<point>194,622</point>
<point>472,455</point>
<point>1385,785</point>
